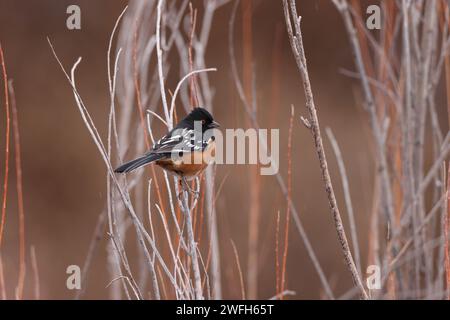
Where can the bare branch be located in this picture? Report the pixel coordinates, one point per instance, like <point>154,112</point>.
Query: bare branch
<point>299,54</point>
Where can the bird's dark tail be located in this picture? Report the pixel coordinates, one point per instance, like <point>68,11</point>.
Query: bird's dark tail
<point>139,162</point>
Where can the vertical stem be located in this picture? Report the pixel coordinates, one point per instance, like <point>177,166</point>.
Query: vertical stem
<point>289,187</point>
<point>348,200</point>
<point>191,242</point>
<point>5,182</point>
<point>213,234</point>
<point>2,280</point>
<point>254,122</point>
<point>34,267</point>
<point>408,121</point>
<point>313,122</point>
<point>446,234</point>
<point>253,224</point>
<point>343,7</point>
<point>22,269</point>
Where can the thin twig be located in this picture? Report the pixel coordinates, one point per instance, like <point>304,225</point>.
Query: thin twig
<point>2,280</point>
<point>446,234</point>
<point>140,230</point>
<point>142,117</point>
<point>299,54</point>
<point>248,80</point>
<point>160,65</point>
<point>192,244</point>
<point>35,268</point>
<point>8,120</point>
<point>93,245</point>
<point>348,200</point>
<point>204,97</point>
<point>295,215</point>
<point>277,255</point>
<point>238,264</point>
<point>22,265</point>
<point>289,186</point>
<point>175,93</point>
<point>283,294</point>
<point>156,290</point>
<point>424,223</point>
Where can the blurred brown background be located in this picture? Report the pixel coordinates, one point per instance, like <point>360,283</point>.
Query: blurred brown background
<point>64,177</point>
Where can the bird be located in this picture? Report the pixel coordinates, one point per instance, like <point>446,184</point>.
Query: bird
<point>185,151</point>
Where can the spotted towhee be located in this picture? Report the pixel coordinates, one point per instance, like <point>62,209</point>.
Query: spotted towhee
<point>185,151</point>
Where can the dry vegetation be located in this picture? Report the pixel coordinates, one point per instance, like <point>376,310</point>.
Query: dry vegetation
<point>402,70</point>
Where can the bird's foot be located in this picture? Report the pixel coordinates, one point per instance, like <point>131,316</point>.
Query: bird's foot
<point>185,187</point>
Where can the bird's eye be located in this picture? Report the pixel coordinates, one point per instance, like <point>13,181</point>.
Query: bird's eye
<point>203,121</point>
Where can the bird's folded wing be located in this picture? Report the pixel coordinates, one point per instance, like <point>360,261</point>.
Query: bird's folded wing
<point>171,141</point>
<point>177,141</point>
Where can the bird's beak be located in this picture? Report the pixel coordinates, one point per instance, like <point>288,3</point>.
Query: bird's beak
<point>214,124</point>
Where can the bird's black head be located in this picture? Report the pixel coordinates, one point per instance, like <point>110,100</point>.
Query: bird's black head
<point>201,116</point>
